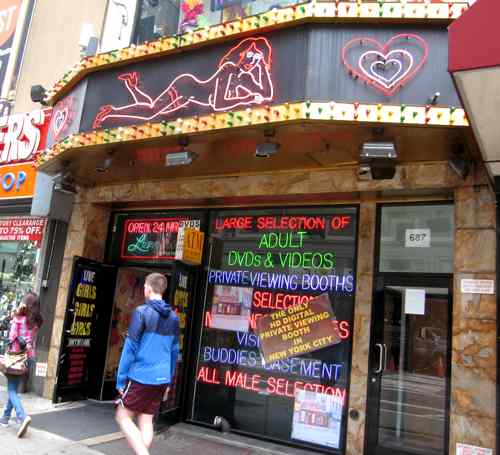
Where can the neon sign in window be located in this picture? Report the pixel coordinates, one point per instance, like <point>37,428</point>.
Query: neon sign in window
<point>268,261</point>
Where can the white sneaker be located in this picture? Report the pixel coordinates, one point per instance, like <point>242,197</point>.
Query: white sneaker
<point>24,427</point>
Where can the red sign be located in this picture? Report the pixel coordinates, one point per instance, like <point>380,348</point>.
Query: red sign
<point>23,135</point>
<point>22,228</point>
<point>153,238</point>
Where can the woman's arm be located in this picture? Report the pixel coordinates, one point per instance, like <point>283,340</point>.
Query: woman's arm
<point>14,330</point>
<point>224,100</point>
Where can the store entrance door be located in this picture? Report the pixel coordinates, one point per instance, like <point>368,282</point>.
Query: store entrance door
<point>409,367</point>
<point>181,297</point>
<point>128,295</point>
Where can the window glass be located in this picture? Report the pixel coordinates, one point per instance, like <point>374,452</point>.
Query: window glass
<point>149,238</point>
<point>157,18</point>
<point>20,242</point>
<point>168,17</point>
<point>417,239</point>
<point>264,264</point>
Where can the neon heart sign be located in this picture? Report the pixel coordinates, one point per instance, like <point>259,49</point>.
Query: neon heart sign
<point>386,67</point>
<point>60,120</point>
<point>63,116</point>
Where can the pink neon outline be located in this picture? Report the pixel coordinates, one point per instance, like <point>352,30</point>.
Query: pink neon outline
<point>384,49</point>
<point>68,105</point>
<point>239,95</point>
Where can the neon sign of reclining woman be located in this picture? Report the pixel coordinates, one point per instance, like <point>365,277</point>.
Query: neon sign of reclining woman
<point>243,78</point>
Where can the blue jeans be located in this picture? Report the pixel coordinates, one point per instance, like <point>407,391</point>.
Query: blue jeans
<point>14,401</point>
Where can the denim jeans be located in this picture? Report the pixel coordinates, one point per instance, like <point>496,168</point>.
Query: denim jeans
<point>14,402</point>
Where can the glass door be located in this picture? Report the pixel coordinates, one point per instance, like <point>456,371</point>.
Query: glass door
<point>409,367</point>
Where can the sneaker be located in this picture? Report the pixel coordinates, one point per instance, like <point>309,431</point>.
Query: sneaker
<point>24,427</point>
<point>4,421</point>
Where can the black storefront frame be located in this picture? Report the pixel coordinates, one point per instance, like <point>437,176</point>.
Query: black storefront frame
<point>394,277</point>
<point>198,327</point>
<point>108,259</point>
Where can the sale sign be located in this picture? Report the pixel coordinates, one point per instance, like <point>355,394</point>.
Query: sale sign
<point>22,228</point>
<point>301,328</point>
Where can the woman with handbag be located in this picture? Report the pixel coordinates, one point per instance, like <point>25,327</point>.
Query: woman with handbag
<point>24,327</point>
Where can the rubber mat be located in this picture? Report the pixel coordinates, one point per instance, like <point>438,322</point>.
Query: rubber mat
<point>87,421</point>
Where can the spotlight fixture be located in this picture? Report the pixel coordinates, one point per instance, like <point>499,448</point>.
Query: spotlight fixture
<point>461,164</point>
<point>182,158</point>
<point>64,182</point>
<point>434,98</point>
<point>377,161</point>
<point>268,148</point>
<point>106,165</point>
<point>37,94</point>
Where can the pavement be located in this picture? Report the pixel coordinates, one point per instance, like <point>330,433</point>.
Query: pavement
<point>88,428</point>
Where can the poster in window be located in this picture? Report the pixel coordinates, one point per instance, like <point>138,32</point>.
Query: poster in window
<point>231,307</point>
<point>119,24</point>
<point>316,418</point>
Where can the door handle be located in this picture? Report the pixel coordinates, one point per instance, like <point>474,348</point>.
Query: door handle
<point>380,358</point>
<point>385,356</point>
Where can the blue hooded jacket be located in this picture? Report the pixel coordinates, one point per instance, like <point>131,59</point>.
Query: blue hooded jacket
<point>152,346</point>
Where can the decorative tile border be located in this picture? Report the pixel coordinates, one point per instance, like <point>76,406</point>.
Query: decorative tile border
<point>280,114</point>
<point>308,12</point>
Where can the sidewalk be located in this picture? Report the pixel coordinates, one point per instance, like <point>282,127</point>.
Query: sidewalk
<point>88,428</point>
<point>185,439</point>
<point>38,442</point>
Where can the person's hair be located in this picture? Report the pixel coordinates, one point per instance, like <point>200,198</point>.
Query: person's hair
<point>158,282</point>
<point>31,303</point>
<point>21,310</point>
<point>237,54</point>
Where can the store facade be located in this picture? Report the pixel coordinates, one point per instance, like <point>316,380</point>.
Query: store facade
<point>22,138</point>
<point>329,310</point>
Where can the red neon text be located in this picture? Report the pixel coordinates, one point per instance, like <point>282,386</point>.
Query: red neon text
<point>272,385</point>
<point>278,301</point>
<point>340,222</point>
<point>342,328</point>
<point>310,223</point>
<point>238,222</point>
<point>154,226</point>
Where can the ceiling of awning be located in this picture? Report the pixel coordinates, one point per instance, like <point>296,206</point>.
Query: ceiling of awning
<point>303,146</point>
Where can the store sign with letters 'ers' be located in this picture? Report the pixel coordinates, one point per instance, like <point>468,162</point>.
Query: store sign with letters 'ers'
<point>22,137</point>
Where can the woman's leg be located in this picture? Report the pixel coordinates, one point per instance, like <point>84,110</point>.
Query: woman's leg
<point>12,385</point>
<point>145,423</point>
<point>8,408</point>
<point>4,420</point>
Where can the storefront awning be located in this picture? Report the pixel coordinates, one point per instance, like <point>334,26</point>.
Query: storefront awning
<point>474,61</point>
